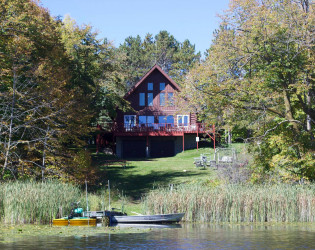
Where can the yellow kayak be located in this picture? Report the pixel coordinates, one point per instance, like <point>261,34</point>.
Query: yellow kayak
<point>79,221</point>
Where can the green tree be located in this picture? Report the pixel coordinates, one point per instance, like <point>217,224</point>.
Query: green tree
<point>259,75</point>
<point>33,76</point>
<point>137,56</point>
<point>96,77</point>
<point>55,78</point>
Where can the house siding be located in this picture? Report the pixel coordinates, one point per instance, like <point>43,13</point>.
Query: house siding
<point>169,143</point>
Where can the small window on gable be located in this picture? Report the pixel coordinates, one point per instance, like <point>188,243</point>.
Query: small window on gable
<point>150,86</point>
<point>162,99</point>
<point>170,99</point>
<point>141,99</point>
<point>162,86</point>
<point>150,99</point>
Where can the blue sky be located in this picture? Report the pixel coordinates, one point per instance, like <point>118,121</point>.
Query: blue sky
<point>194,20</point>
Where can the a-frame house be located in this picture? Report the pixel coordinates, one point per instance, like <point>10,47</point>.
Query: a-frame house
<point>157,128</point>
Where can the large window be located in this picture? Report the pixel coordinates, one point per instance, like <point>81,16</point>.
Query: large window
<point>142,99</point>
<point>182,120</point>
<point>146,121</point>
<point>150,86</point>
<point>162,120</point>
<point>162,99</point>
<point>162,86</point>
<point>142,120</point>
<point>129,121</point>
<point>150,121</point>
<point>170,99</point>
<point>170,120</point>
<point>150,99</point>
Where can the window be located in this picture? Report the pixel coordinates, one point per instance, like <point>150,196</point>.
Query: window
<point>150,99</point>
<point>162,120</point>
<point>142,120</point>
<point>162,86</point>
<point>170,99</point>
<point>129,121</point>
<point>162,99</point>
<point>170,121</point>
<point>182,120</point>
<point>141,99</point>
<point>150,121</point>
<point>150,86</point>
<point>146,121</point>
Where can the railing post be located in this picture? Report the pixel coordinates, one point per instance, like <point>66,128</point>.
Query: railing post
<point>147,147</point>
<point>197,135</point>
<point>213,126</point>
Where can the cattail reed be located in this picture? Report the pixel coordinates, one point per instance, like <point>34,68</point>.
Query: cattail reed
<point>236,203</point>
<point>35,202</point>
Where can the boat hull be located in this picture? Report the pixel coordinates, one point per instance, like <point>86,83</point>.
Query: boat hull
<point>60,222</point>
<point>158,218</point>
<point>81,221</point>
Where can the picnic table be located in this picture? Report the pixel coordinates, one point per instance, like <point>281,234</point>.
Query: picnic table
<point>122,163</point>
<point>204,161</point>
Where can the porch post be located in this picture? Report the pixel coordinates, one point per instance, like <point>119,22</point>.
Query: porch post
<point>147,148</point>
<point>197,135</point>
<point>213,126</point>
<point>183,142</point>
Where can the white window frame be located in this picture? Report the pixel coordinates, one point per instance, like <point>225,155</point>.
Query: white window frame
<point>181,124</point>
<point>128,126</point>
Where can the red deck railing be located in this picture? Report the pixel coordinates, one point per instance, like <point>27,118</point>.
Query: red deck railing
<point>165,128</point>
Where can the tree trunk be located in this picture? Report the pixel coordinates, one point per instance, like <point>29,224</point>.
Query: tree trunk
<point>288,111</point>
<point>44,153</point>
<point>308,117</point>
<point>8,144</point>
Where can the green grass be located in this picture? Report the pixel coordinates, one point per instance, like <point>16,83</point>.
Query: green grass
<point>33,202</point>
<point>236,203</point>
<point>141,175</point>
<point>36,202</point>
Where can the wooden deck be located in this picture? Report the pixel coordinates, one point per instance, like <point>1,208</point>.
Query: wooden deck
<point>155,129</point>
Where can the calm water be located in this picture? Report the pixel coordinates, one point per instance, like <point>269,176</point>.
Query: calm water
<point>186,236</point>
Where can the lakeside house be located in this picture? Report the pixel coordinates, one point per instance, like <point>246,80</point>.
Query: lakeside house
<point>157,127</point>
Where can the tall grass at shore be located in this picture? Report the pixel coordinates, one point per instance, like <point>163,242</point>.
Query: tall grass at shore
<point>35,202</point>
<point>236,203</point>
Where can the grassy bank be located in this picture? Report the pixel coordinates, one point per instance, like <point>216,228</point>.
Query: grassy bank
<point>236,203</point>
<point>39,203</point>
<point>171,184</point>
<point>141,175</point>
<point>35,202</point>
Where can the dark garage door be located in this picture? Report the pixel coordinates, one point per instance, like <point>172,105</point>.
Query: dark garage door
<point>162,148</point>
<point>134,149</point>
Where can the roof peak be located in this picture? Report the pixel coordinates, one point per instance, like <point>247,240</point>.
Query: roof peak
<point>156,66</point>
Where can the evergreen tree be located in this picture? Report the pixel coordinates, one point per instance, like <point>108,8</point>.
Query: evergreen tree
<point>173,57</point>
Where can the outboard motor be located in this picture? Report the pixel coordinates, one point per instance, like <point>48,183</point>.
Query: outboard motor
<point>75,211</point>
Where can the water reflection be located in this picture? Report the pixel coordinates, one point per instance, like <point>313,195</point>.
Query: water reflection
<point>186,236</point>
<point>146,226</point>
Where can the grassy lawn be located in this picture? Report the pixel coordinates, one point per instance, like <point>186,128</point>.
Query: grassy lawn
<point>140,176</point>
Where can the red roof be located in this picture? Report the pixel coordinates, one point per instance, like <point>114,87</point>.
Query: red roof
<point>149,73</point>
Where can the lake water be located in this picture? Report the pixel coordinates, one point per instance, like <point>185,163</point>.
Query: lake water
<point>184,236</point>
